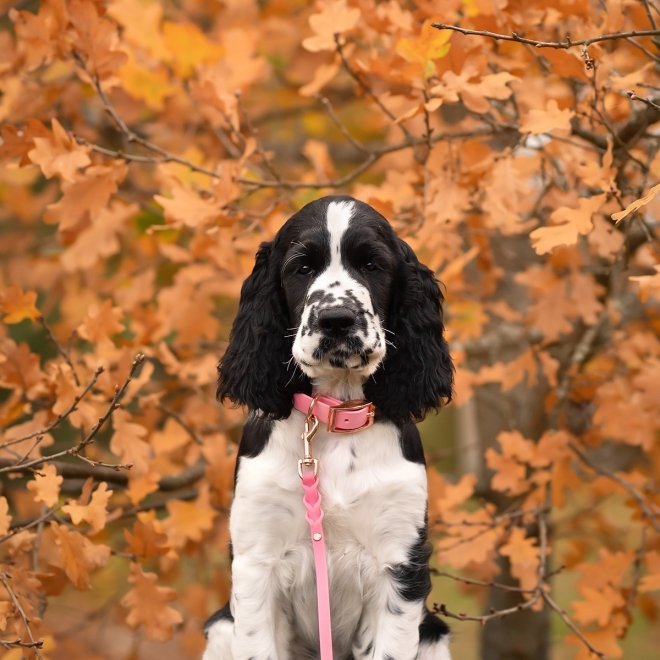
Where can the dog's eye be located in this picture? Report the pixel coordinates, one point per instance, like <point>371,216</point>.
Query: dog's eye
<point>305,270</point>
<point>369,265</point>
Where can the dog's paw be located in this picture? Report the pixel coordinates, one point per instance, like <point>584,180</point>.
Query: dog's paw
<point>218,640</point>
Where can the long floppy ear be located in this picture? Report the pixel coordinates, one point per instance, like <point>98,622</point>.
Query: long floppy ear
<point>253,370</point>
<point>417,373</point>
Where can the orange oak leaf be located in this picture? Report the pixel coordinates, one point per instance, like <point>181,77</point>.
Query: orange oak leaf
<point>5,518</point>
<point>59,154</point>
<point>144,540</point>
<point>429,45</point>
<point>17,142</point>
<point>95,512</point>
<point>187,207</point>
<point>598,605</point>
<point>76,555</point>
<point>149,84</point>
<point>188,46</point>
<point>188,521</point>
<point>41,35</point>
<point>18,305</point>
<point>87,196</point>
<point>141,485</point>
<point>147,605</point>
<point>335,17</point>
<point>637,204</point>
<point>46,485</point>
<point>96,39</point>
<point>509,465</point>
<point>101,322</point>
<point>459,549</point>
<point>606,641</point>
<point>575,222</point>
<point>128,442</point>
<point>101,238</point>
<point>651,581</point>
<point>523,556</point>
<point>550,119</point>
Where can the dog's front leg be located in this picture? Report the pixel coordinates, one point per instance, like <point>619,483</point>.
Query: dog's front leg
<point>389,626</point>
<point>254,609</point>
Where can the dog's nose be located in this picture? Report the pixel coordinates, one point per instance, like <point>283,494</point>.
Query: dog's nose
<point>336,320</point>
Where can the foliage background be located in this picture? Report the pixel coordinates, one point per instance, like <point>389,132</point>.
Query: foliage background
<point>148,148</point>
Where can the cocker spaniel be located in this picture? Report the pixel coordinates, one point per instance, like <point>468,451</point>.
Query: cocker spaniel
<point>336,305</point>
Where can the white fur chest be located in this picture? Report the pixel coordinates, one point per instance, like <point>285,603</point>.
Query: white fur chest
<point>374,503</point>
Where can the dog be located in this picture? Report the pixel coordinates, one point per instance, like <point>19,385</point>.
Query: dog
<point>336,305</point>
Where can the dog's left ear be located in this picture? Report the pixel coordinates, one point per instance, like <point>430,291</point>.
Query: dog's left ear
<point>417,374</point>
<point>256,369</point>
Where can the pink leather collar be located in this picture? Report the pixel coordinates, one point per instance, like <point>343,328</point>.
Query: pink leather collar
<point>340,416</point>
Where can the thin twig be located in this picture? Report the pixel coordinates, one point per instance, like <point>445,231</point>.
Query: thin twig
<point>89,438</point>
<point>60,418</point>
<point>33,644</point>
<point>60,349</point>
<point>626,485</point>
<point>568,43</point>
<point>633,97</point>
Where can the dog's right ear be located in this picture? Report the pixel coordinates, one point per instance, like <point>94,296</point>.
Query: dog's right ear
<point>253,370</point>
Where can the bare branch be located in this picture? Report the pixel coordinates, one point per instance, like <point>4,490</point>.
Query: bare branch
<point>649,514</point>
<point>568,43</point>
<point>60,418</point>
<point>89,438</point>
<point>33,643</point>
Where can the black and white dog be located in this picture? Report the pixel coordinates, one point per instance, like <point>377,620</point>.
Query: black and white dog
<point>338,305</point>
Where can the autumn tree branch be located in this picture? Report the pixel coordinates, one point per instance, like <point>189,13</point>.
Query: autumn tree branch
<point>120,391</point>
<point>568,43</point>
<point>33,644</point>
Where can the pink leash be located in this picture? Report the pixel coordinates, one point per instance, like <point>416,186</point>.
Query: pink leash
<point>314,516</point>
<point>341,417</point>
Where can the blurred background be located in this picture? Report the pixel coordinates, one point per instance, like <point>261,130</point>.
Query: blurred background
<point>147,149</point>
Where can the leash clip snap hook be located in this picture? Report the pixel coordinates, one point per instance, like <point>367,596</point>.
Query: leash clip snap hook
<point>309,431</point>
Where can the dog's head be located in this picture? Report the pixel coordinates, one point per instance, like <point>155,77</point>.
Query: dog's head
<point>337,298</point>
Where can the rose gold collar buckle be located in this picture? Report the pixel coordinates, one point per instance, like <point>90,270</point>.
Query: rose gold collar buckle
<point>357,405</point>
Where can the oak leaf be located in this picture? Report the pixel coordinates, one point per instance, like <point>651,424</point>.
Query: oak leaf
<point>87,196</point>
<point>95,512</point>
<point>128,442</point>
<point>334,18</point>
<point>96,39</point>
<point>18,305</point>
<point>550,119</point>
<point>187,207</point>
<point>575,222</point>
<point>102,321</point>
<point>431,44</point>
<point>145,540</point>
<point>598,605</point>
<point>637,204</point>
<point>523,556</point>
<point>59,154</point>
<point>151,85</point>
<point>188,46</point>
<point>100,238</point>
<point>188,521</point>
<point>41,35</point>
<point>5,518</point>
<point>46,485</point>
<point>76,555</point>
<point>146,603</point>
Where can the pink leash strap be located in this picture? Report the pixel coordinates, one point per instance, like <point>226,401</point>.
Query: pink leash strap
<point>314,517</point>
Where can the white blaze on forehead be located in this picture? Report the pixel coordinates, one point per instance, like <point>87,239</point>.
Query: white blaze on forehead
<point>338,217</point>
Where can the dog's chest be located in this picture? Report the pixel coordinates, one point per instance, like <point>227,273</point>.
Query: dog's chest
<point>374,503</point>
